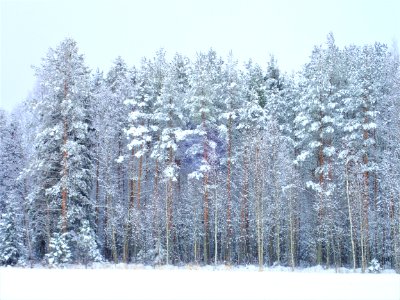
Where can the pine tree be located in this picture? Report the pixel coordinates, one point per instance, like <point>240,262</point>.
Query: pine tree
<point>169,118</point>
<point>15,232</point>
<point>3,158</point>
<point>251,126</point>
<point>315,122</point>
<point>59,250</point>
<point>87,250</point>
<point>11,246</point>
<point>203,105</point>
<point>230,95</point>
<point>140,132</point>
<point>62,146</point>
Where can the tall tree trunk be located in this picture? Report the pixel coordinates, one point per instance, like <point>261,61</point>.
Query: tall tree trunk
<point>229,195</point>
<point>110,226</point>
<point>259,209</point>
<point>169,191</point>
<point>27,224</point>
<point>244,210</point>
<point>215,223</point>
<point>291,230</point>
<point>366,196</point>
<point>97,196</point>
<point>277,203</point>
<point>395,231</point>
<point>353,251</point>
<point>169,195</point>
<point>64,191</point>
<point>156,208</point>
<point>320,236</point>
<point>131,205</point>
<point>139,180</point>
<point>205,191</point>
<point>362,231</point>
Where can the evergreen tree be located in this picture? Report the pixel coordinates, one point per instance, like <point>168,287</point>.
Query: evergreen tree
<point>63,163</point>
<point>11,246</point>
<point>87,250</point>
<point>16,236</point>
<point>184,162</point>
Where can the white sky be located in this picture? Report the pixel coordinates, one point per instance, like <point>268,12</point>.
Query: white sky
<point>253,29</point>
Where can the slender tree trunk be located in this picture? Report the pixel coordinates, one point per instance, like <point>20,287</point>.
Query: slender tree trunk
<point>64,191</point>
<point>110,226</point>
<point>396,234</point>
<point>229,195</point>
<point>378,228</point>
<point>139,180</point>
<point>169,192</point>
<point>168,210</point>
<point>366,196</point>
<point>353,251</point>
<point>156,199</point>
<point>27,225</point>
<point>259,210</point>
<point>131,205</point>
<point>321,161</point>
<point>167,225</point>
<point>48,225</point>
<point>205,191</point>
<point>244,211</point>
<point>362,234</point>
<point>277,209</point>
<point>97,209</point>
<point>215,224</point>
<point>291,232</point>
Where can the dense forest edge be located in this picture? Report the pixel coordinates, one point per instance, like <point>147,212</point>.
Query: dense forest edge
<point>205,161</point>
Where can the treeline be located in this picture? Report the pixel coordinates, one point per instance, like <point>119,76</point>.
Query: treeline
<point>205,161</point>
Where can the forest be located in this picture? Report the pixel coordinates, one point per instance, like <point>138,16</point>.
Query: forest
<point>205,161</point>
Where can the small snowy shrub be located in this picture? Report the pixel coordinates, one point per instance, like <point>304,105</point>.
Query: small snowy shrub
<point>9,240</point>
<point>60,252</point>
<point>374,266</point>
<point>88,251</point>
<point>155,256</point>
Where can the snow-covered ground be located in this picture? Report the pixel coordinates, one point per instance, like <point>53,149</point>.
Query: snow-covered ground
<point>138,282</point>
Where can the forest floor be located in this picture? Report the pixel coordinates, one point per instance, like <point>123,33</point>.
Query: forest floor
<point>118,282</point>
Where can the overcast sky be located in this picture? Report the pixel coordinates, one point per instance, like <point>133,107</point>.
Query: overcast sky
<point>133,29</point>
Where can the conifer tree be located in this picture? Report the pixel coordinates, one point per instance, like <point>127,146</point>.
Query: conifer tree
<point>62,147</point>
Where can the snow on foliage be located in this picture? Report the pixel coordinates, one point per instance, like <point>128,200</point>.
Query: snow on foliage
<point>181,161</point>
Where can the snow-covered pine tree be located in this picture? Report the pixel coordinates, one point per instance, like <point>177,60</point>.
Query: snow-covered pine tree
<point>14,230</point>
<point>11,246</point>
<point>203,104</point>
<point>315,126</point>
<point>390,167</point>
<point>274,85</point>
<point>87,250</point>
<point>227,122</point>
<point>114,167</point>
<point>364,92</point>
<point>168,117</point>
<point>141,131</point>
<point>62,148</point>
<point>251,124</point>
<point>59,250</point>
<point>3,158</point>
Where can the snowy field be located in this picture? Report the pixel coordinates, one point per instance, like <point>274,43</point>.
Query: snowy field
<point>138,282</point>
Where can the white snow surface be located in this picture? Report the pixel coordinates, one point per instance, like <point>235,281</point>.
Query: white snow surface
<point>192,282</point>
